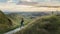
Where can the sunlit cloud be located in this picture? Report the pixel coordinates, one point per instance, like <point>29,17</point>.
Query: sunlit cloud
<point>11,5</point>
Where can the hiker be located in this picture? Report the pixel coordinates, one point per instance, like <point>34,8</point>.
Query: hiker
<point>22,22</point>
<point>52,12</point>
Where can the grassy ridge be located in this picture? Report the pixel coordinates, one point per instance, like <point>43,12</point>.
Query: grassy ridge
<point>44,25</point>
<point>11,21</point>
<point>5,22</point>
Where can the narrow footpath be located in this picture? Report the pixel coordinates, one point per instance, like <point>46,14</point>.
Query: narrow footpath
<point>14,31</point>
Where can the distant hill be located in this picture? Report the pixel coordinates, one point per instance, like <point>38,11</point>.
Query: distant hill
<point>30,13</point>
<point>43,25</point>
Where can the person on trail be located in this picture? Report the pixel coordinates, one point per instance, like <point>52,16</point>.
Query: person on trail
<point>52,12</point>
<point>22,22</point>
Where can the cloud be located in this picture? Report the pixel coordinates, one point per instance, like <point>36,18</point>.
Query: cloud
<point>13,1</point>
<point>12,6</point>
<point>40,1</point>
<point>56,1</point>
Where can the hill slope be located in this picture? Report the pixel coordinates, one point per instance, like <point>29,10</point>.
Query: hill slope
<point>44,25</point>
<point>5,22</point>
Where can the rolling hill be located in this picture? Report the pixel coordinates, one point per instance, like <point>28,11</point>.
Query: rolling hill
<point>43,25</point>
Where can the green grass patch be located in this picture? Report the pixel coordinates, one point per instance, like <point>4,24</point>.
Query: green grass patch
<point>43,25</point>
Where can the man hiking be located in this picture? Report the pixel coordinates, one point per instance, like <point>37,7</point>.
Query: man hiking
<point>22,22</point>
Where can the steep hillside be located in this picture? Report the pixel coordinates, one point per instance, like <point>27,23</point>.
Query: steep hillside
<point>44,25</point>
<point>16,17</point>
<point>5,22</point>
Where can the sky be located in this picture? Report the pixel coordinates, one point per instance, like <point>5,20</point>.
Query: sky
<point>12,5</point>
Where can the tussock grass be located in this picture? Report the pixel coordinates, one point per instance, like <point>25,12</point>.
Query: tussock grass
<point>43,25</point>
